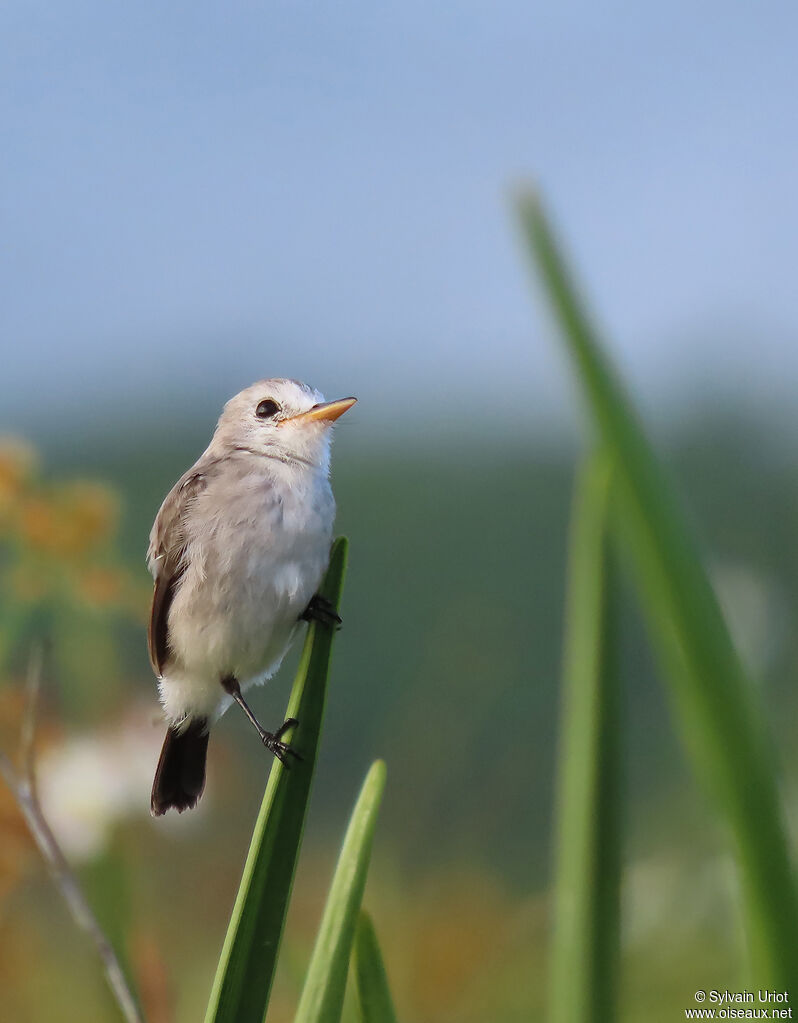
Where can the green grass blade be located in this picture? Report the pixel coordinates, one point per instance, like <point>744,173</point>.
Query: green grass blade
<point>371,982</point>
<point>245,971</point>
<point>323,994</point>
<point>587,867</point>
<point>716,707</point>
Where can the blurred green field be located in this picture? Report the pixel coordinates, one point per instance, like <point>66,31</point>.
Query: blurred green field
<point>448,668</point>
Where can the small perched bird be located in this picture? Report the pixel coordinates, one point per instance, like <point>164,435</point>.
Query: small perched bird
<point>237,552</point>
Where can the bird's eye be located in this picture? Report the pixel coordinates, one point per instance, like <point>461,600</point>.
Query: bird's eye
<point>267,409</point>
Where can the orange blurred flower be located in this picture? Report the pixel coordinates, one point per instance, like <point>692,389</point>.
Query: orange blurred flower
<point>75,519</point>
<point>92,510</point>
<point>17,460</point>
<point>16,849</point>
<point>38,522</point>
<point>101,586</point>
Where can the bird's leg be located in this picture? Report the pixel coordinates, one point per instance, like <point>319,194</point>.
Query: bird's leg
<point>320,610</point>
<point>271,740</point>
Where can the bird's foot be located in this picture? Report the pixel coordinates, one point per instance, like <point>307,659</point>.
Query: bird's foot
<point>272,742</point>
<point>321,610</point>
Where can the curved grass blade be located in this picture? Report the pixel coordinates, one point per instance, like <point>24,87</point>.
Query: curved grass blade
<point>245,971</point>
<point>585,948</point>
<point>717,709</point>
<point>371,982</point>
<point>325,984</point>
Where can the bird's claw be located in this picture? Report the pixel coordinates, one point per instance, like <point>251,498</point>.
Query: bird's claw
<point>271,740</point>
<point>321,610</point>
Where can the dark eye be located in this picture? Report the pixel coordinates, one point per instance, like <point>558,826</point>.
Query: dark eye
<point>267,409</point>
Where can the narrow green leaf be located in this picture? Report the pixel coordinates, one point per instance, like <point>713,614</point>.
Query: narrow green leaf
<point>245,971</point>
<point>587,869</point>
<point>373,994</point>
<point>323,994</point>
<point>716,706</point>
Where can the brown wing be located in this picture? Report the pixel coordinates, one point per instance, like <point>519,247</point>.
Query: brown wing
<point>167,559</point>
<point>158,631</point>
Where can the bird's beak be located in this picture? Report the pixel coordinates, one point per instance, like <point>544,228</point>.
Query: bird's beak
<point>327,411</point>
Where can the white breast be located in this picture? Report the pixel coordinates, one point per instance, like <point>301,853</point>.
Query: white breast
<point>252,568</point>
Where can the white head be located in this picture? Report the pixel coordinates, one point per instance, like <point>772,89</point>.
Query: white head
<point>282,419</point>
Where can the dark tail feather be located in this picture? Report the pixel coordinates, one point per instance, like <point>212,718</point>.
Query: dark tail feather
<point>180,775</point>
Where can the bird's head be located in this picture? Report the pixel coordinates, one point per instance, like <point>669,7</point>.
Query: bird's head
<point>282,419</point>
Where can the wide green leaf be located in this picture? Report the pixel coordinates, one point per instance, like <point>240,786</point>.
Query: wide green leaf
<point>246,968</point>
<point>325,984</point>
<point>587,867</point>
<point>371,983</point>
<point>716,706</point>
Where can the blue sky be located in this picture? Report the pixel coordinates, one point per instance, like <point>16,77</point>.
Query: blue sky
<point>197,195</point>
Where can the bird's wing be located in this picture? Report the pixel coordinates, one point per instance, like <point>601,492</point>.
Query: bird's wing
<point>166,556</point>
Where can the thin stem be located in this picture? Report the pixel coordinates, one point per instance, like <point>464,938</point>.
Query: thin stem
<point>27,753</point>
<point>23,789</point>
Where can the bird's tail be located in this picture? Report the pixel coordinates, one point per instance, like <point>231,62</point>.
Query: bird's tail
<point>180,775</point>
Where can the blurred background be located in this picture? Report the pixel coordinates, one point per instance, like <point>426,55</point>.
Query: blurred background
<point>198,196</point>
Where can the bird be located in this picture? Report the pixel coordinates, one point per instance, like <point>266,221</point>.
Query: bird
<point>237,552</point>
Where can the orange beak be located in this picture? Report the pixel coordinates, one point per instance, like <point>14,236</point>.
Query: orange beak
<point>327,412</point>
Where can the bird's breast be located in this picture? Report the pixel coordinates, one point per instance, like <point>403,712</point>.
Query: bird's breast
<point>250,574</point>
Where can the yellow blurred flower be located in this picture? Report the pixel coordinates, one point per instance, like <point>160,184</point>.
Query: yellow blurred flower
<point>17,461</point>
<point>38,523</point>
<point>61,576</point>
<point>75,519</point>
<point>92,510</point>
<point>101,586</point>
